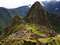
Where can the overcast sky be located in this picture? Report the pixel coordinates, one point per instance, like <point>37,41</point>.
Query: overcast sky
<point>17,3</point>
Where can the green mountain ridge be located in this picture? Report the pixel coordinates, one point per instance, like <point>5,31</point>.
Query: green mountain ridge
<point>5,19</point>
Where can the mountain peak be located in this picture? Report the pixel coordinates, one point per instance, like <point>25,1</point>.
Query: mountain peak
<point>37,4</point>
<point>37,15</point>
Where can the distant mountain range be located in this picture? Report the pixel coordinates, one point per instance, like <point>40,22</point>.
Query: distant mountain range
<point>52,7</point>
<point>22,11</point>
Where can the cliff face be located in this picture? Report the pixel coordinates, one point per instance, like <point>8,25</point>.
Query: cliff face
<point>37,15</point>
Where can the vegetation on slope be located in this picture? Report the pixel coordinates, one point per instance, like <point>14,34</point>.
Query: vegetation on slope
<point>29,33</point>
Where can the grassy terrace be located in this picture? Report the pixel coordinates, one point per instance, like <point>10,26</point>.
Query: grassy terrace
<point>50,41</point>
<point>30,32</point>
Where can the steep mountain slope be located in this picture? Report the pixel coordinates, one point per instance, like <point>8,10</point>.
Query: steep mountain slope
<point>5,18</point>
<point>37,15</point>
